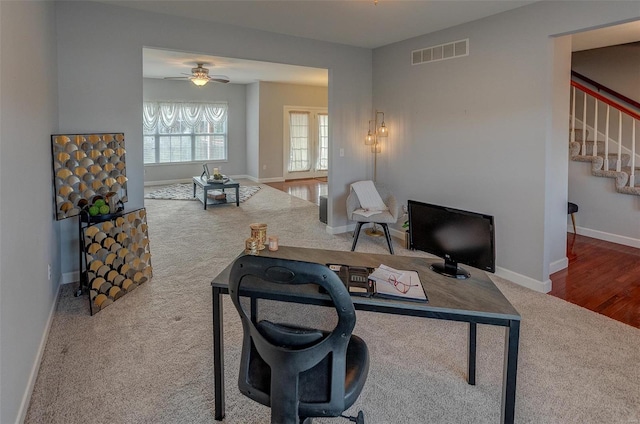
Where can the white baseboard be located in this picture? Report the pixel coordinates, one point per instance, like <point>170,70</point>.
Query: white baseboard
<point>613,238</point>
<point>270,180</point>
<point>166,182</point>
<point>339,230</point>
<point>558,265</point>
<point>70,277</point>
<point>26,398</point>
<point>188,180</point>
<point>523,280</point>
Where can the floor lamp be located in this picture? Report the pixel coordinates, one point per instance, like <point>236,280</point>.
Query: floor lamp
<point>380,131</point>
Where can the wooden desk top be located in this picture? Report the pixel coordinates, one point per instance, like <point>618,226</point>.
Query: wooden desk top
<point>476,296</point>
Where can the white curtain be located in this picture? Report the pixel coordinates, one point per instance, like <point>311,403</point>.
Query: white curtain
<point>150,116</point>
<point>167,113</point>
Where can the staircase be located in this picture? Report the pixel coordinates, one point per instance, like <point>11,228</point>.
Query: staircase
<point>603,132</point>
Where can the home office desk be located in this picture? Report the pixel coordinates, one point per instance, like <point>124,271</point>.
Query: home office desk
<point>476,301</point>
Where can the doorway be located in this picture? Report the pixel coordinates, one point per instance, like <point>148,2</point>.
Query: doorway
<point>306,142</point>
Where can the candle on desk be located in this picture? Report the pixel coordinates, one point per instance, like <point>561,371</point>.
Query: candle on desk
<point>215,171</point>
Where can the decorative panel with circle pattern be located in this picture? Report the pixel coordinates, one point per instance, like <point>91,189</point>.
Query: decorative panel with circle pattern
<point>118,257</point>
<point>86,166</point>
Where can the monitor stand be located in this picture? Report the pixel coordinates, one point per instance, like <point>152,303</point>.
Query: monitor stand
<point>450,269</point>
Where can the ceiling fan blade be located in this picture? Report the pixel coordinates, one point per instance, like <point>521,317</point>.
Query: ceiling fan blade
<point>176,78</point>
<point>219,78</point>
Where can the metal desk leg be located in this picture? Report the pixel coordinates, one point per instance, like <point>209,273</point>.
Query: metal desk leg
<point>205,198</point>
<point>471,356</point>
<point>512,340</point>
<point>238,196</point>
<point>194,189</point>
<point>218,355</point>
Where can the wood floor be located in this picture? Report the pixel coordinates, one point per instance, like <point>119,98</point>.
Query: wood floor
<point>602,277</point>
<point>308,189</point>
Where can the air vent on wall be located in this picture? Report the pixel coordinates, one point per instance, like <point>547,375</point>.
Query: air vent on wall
<point>441,52</point>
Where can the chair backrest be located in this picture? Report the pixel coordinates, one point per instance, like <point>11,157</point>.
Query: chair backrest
<point>291,352</point>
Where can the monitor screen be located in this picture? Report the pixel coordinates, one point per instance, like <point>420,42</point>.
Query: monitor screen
<point>455,235</point>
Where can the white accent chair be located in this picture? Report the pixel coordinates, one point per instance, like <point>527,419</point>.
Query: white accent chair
<point>382,218</point>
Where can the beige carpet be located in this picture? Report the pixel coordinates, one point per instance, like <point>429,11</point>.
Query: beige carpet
<point>148,357</point>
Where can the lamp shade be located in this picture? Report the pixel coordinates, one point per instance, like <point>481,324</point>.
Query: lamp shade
<point>369,139</point>
<point>383,131</point>
<point>200,81</point>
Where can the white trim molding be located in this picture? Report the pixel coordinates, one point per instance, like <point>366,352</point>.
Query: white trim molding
<point>613,238</point>
<point>523,280</point>
<point>558,265</point>
<point>26,398</point>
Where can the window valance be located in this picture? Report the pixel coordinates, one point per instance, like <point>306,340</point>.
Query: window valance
<point>167,113</point>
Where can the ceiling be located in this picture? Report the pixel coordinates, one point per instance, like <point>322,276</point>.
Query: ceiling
<point>359,23</point>
<point>165,63</point>
<point>609,36</point>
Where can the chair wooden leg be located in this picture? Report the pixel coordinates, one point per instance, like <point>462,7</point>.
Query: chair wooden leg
<point>385,227</point>
<point>356,234</point>
<point>573,219</point>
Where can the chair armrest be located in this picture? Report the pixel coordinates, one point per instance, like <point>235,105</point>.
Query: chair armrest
<point>394,207</point>
<point>352,204</point>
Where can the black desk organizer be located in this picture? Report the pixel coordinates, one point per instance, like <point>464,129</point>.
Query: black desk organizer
<point>117,257</point>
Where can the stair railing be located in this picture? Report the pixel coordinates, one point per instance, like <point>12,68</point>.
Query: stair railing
<point>590,95</point>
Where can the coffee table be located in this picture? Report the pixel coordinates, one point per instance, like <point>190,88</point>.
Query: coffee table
<point>214,185</point>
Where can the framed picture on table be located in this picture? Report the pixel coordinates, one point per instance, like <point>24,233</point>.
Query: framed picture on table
<point>206,175</point>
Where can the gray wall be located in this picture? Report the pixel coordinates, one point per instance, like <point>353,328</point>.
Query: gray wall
<point>109,97</point>
<point>273,98</point>
<point>480,132</point>
<point>233,94</point>
<point>617,67</point>
<point>28,240</point>
<point>253,129</point>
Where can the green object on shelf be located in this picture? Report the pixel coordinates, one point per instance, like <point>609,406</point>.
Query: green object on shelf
<point>99,203</point>
<point>104,209</point>
<point>94,210</point>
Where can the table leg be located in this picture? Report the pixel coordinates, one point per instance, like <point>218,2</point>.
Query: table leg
<point>218,355</point>
<point>238,196</point>
<point>205,198</point>
<point>512,340</point>
<point>471,355</point>
<point>194,189</point>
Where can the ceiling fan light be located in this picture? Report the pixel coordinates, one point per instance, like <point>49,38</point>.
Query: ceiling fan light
<point>200,81</point>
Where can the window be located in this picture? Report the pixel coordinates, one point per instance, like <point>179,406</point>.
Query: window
<point>299,152</point>
<point>323,142</point>
<point>306,142</point>
<point>184,132</point>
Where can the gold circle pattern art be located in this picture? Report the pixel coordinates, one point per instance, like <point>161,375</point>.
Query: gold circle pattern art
<point>116,271</point>
<point>87,151</point>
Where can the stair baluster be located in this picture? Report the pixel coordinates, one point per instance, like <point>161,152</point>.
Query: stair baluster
<point>619,161</point>
<point>573,114</point>
<point>632,176</point>
<point>584,124</point>
<point>595,127</point>
<point>606,141</point>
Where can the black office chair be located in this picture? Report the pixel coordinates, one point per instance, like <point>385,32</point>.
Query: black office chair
<point>299,372</point>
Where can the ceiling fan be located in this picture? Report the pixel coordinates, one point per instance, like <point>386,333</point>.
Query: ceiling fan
<point>200,76</point>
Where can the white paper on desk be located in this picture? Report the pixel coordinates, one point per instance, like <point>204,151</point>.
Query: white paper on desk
<point>384,273</point>
<point>410,279</point>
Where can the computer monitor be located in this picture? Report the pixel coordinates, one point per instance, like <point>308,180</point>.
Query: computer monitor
<point>455,235</point>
